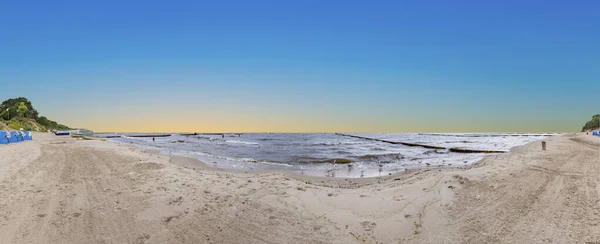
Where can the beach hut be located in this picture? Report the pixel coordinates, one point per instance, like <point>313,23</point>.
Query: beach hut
<point>19,136</point>
<point>14,138</point>
<point>3,137</point>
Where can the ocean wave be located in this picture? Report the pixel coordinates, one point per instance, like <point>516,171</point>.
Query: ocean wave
<point>242,142</point>
<point>275,163</point>
<point>436,151</point>
<point>320,144</point>
<point>146,139</point>
<point>246,160</point>
<point>312,160</point>
<point>335,160</point>
<point>459,141</point>
<point>382,157</point>
<point>129,137</point>
<point>344,143</point>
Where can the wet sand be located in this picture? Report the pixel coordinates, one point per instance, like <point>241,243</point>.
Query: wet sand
<point>64,190</point>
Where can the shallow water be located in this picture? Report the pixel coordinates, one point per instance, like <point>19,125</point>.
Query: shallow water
<point>315,153</point>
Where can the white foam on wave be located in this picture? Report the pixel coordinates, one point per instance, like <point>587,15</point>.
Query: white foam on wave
<point>242,142</point>
<point>245,160</point>
<point>482,141</point>
<point>144,139</point>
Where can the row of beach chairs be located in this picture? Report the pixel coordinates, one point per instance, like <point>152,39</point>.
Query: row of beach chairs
<point>15,136</point>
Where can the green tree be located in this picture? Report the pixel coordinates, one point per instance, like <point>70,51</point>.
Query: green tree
<point>4,114</point>
<point>22,109</point>
<point>43,121</point>
<point>592,124</point>
<point>12,105</point>
<point>49,124</point>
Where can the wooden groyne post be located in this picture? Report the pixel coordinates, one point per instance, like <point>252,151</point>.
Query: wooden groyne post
<point>544,145</point>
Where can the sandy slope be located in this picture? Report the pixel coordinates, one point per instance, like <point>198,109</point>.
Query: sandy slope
<point>62,190</point>
<point>4,127</point>
<point>531,196</point>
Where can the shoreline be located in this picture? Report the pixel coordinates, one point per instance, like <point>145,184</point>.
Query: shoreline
<point>64,190</point>
<point>197,163</point>
<point>325,181</point>
<point>320,172</point>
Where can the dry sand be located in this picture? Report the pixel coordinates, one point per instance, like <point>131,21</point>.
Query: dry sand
<point>63,190</point>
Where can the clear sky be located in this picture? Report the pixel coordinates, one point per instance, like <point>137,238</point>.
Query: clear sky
<point>309,66</point>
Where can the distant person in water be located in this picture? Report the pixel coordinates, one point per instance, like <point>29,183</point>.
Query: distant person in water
<point>222,135</point>
<point>153,139</point>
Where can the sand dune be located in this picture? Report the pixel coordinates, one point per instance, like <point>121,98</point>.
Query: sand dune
<point>63,190</point>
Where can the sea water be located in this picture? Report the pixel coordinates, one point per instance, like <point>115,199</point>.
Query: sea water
<point>315,153</point>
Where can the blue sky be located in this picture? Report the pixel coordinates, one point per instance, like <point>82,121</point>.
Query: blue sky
<point>305,65</point>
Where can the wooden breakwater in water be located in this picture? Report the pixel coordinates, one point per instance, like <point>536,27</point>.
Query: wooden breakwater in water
<point>189,134</point>
<point>452,149</point>
<point>393,142</point>
<point>467,150</point>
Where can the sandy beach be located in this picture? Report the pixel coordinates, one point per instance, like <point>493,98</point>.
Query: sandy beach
<point>64,190</point>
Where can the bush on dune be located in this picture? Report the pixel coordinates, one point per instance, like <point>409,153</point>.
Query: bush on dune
<point>18,123</point>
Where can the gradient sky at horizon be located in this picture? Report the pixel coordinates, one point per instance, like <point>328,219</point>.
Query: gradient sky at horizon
<point>305,66</point>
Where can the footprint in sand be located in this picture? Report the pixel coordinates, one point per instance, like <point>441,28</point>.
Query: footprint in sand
<point>177,201</point>
<point>142,239</point>
<point>368,225</point>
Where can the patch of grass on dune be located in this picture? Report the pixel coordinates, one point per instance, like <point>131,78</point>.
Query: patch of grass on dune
<point>18,123</point>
